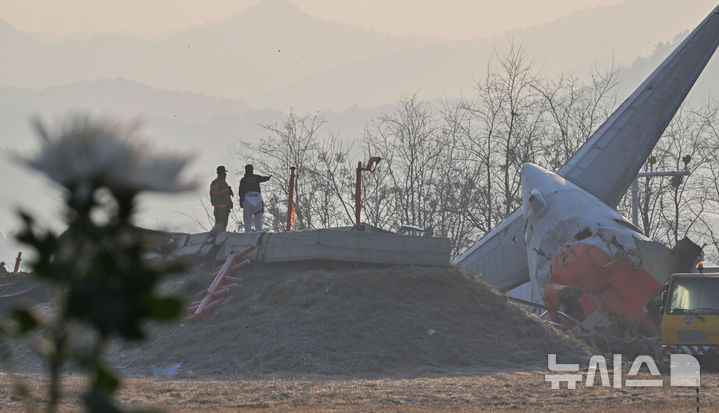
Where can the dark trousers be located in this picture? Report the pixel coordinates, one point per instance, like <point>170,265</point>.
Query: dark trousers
<point>221,217</point>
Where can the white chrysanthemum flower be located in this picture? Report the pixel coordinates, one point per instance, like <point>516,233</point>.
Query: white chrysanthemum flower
<point>90,153</point>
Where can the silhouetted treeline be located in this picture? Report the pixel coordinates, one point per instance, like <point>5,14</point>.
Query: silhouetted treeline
<point>454,166</point>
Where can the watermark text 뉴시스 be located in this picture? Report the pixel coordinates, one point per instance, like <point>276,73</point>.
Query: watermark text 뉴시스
<point>684,372</point>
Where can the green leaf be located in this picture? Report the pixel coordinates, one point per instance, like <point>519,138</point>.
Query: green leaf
<point>25,319</point>
<point>104,380</point>
<point>96,401</point>
<point>165,308</point>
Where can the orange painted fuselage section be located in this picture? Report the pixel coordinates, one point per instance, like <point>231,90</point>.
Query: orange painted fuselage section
<point>592,280</point>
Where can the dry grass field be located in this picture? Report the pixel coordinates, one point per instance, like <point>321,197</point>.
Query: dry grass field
<point>342,338</point>
<point>520,391</point>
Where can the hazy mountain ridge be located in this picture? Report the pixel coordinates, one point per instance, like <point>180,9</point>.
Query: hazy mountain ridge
<point>121,97</point>
<point>210,129</point>
<point>182,115</point>
<point>244,56</point>
<point>610,33</point>
<point>276,56</point>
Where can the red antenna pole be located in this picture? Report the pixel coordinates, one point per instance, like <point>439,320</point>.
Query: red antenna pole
<point>290,202</point>
<point>358,194</point>
<point>17,261</point>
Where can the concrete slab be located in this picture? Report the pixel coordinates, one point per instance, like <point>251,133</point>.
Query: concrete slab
<point>206,249</point>
<point>183,252</point>
<point>153,258</point>
<point>378,247</point>
<point>238,242</point>
<point>200,238</point>
<point>181,241</point>
<point>221,238</point>
<point>354,246</point>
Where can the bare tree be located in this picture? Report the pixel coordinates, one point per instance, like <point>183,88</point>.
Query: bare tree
<point>576,110</point>
<point>290,143</point>
<point>673,207</point>
<point>710,190</point>
<point>332,180</point>
<point>512,90</point>
<point>408,143</point>
<point>683,202</point>
<point>455,166</point>
<point>455,172</point>
<point>480,125</point>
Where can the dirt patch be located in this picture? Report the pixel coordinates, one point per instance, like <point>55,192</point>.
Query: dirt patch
<point>321,319</point>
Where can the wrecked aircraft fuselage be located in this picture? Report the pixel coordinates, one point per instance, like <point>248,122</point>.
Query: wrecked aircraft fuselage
<point>587,260</point>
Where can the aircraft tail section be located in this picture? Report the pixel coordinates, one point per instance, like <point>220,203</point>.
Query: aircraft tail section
<point>608,162</point>
<point>610,159</point>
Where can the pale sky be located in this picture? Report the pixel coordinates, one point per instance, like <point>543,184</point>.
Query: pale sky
<point>450,19</point>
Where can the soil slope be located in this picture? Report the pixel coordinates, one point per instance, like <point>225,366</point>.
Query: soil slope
<point>323,319</point>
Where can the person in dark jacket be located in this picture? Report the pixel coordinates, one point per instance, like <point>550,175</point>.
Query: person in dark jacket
<point>221,199</point>
<point>251,199</point>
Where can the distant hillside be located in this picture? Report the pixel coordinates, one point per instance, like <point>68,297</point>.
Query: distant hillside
<point>210,129</point>
<point>641,67</point>
<point>271,45</point>
<point>276,56</point>
<point>170,81</point>
<point>120,97</point>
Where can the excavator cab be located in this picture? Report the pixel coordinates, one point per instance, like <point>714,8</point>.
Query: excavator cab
<point>690,317</point>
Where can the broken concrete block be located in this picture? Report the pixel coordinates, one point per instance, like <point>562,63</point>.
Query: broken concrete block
<point>238,242</point>
<point>200,238</point>
<point>153,258</point>
<point>180,241</point>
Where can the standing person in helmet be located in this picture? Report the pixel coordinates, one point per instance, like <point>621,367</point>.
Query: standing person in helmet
<point>221,199</point>
<point>251,199</point>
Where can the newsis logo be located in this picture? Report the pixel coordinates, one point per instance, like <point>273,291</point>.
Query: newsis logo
<point>684,371</point>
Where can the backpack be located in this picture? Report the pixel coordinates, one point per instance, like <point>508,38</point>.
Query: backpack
<point>253,202</point>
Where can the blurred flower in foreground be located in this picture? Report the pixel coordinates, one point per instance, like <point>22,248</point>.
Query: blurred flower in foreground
<point>100,281</point>
<point>91,153</point>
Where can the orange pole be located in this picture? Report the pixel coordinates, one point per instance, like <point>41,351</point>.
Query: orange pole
<point>17,261</point>
<point>358,194</point>
<point>290,202</point>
